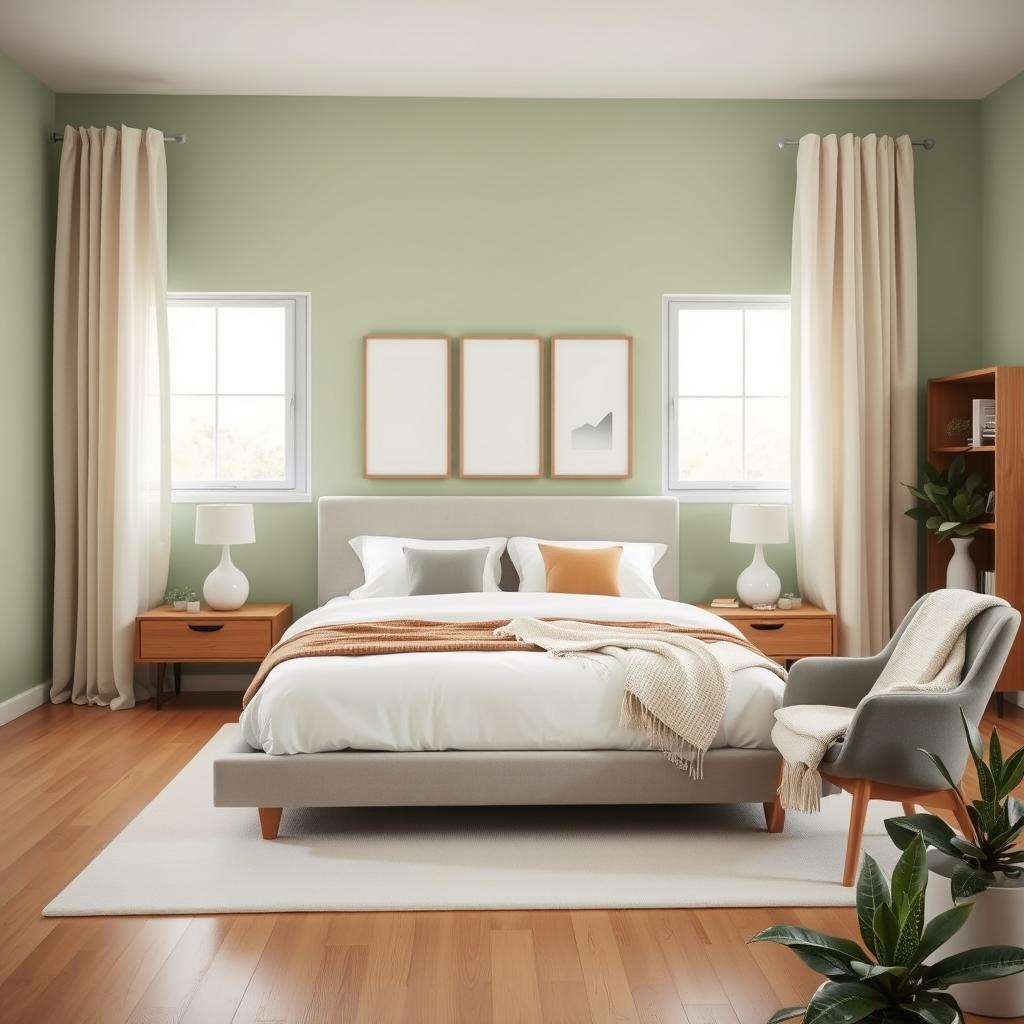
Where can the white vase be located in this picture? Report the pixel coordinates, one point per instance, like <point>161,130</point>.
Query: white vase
<point>997,920</point>
<point>759,583</point>
<point>961,573</point>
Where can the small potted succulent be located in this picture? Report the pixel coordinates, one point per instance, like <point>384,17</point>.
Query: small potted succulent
<point>191,600</point>
<point>889,982</point>
<point>177,597</point>
<point>985,868</point>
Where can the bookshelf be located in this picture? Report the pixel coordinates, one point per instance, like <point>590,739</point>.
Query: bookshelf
<point>999,544</point>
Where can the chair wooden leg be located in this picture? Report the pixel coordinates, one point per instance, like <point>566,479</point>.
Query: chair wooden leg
<point>774,813</point>
<point>861,790</point>
<point>270,821</point>
<point>963,819</point>
<point>909,807</point>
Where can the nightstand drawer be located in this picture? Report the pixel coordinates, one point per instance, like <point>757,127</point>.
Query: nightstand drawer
<point>230,640</point>
<point>787,637</point>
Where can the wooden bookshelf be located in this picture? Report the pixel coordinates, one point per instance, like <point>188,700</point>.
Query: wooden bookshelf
<point>998,544</point>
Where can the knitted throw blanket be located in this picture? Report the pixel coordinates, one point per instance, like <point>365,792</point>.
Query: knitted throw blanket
<point>928,658</point>
<point>676,679</point>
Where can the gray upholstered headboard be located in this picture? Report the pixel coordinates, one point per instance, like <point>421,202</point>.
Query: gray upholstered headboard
<point>555,518</point>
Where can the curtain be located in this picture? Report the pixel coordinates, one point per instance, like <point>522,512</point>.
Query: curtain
<point>854,299</point>
<point>111,457</point>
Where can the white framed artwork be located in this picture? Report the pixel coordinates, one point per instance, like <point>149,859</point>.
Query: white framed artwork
<point>592,407</point>
<point>405,407</point>
<point>501,394</point>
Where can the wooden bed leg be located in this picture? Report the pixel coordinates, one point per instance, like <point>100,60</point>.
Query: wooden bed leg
<point>270,821</point>
<point>774,814</point>
<point>861,790</point>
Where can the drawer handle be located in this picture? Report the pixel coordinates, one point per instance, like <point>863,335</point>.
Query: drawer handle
<point>197,627</point>
<point>767,625</point>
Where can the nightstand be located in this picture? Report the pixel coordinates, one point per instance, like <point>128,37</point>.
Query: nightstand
<point>804,632</point>
<point>166,637</point>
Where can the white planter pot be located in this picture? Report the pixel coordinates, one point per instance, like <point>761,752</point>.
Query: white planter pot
<point>192,606</point>
<point>179,606</point>
<point>961,573</point>
<point>997,920</point>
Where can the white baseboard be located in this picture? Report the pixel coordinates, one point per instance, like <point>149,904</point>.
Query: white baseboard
<point>16,706</point>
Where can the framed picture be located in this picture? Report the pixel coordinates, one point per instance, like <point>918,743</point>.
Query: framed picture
<point>405,407</point>
<point>501,396</point>
<point>592,407</point>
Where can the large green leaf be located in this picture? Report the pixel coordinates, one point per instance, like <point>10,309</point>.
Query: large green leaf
<point>943,770</point>
<point>826,954</point>
<point>872,890</point>
<point>1013,773</point>
<point>905,952</point>
<point>941,928</point>
<point>910,876</point>
<point>866,971</point>
<point>786,1013</point>
<point>979,964</point>
<point>930,827</point>
<point>968,881</point>
<point>930,1011</point>
<point>844,1003</point>
<point>887,932</point>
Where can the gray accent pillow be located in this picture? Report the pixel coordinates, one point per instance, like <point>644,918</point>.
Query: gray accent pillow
<point>440,571</point>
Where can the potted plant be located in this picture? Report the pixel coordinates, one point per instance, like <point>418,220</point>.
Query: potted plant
<point>951,505</point>
<point>985,868</point>
<point>191,600</point>
<point>177,597</point>
<point>891,984</point>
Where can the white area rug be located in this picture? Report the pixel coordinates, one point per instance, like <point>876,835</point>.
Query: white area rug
<point>182,855</point>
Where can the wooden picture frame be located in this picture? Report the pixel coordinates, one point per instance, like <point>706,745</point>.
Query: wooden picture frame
<point>591,407</point>
<point>501,407</point>
<point>406,415</point>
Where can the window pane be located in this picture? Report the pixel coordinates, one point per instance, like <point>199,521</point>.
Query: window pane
<point>767,352</point>
<point>710,439</point>
<point>192,330</point>
<point>192,447</point>
<point>710,352</point>
<point>767,439</point>
<point>251,350</point>
<point>252,439</point>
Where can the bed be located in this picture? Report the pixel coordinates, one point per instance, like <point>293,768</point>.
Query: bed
<point>436,729</point>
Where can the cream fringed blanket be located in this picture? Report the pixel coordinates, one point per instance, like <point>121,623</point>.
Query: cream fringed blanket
<point>928,658</point>
<point>676,680</point>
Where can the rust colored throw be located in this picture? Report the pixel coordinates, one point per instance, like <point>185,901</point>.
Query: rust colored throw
<point>421,636</point>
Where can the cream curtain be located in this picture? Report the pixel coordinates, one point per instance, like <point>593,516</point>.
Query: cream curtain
<point>111,457</point>
<point>855,381</point>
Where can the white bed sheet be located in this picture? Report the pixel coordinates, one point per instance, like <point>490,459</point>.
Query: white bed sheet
<point>508,700</point>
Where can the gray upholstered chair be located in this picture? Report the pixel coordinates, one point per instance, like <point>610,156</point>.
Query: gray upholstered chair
<point>879,758</point>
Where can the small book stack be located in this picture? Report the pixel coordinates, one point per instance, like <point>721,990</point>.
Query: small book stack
<point>983,421</point>
<point>725,602</point>
<point>988,582</point>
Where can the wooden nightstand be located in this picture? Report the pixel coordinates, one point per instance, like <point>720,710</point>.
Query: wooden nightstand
<point>804,632</point>
<point>166,637</point>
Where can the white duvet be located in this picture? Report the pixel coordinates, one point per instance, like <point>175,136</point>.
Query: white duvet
<point>508,700</point>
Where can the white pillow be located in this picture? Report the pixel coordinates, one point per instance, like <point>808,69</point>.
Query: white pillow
<point>636,566</point>
<point>384,562</point>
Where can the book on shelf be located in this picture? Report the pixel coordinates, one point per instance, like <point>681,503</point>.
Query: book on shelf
<point>988,582</point>
<point>725,602</point>
<point>983,421</point>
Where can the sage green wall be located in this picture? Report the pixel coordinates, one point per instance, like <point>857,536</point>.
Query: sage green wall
<point>1002,223</point>
<point>516,215</point>
<point>26,512</point>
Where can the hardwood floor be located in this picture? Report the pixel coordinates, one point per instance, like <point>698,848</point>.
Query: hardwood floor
<point>71,778</point>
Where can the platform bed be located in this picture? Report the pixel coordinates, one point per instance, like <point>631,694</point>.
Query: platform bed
<point>244,777</point>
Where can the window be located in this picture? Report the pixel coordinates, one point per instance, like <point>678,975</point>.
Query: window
<point>239,425</point>
<point>727,408</point>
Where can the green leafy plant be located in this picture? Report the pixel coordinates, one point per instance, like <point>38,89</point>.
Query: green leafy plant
<point>951,502</point>
<point>892,983</point>
<point>173,594</point>
<point>958,429</point>
<point>997,819</point>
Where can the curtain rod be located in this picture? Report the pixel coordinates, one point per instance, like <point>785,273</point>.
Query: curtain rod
<point>923,143</point>
<point>59,137</point>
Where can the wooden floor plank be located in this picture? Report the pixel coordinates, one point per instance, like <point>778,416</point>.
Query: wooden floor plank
<point>72,777</point>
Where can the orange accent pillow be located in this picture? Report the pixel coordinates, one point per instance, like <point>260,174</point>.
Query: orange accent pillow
<point>582,570</point>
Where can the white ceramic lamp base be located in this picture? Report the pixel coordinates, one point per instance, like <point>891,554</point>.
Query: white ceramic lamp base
<point>226,588</point>
<point>759,583</point>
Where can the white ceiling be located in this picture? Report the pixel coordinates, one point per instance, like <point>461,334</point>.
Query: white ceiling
<point>827,49</point>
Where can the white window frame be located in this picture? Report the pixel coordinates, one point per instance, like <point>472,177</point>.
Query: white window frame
<point>297,377</point>
<point>706,490</point>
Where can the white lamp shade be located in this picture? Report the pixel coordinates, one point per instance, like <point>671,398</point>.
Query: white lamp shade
<point>759,524</point>
<point>225,524</point>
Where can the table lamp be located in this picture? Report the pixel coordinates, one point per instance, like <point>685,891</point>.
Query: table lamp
<point>226,588</point>
<point>757,525</point>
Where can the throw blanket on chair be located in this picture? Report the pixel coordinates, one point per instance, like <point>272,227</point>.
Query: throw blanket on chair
<point>677,677</point>
<point>928,658</point>
<point>676,680</point>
